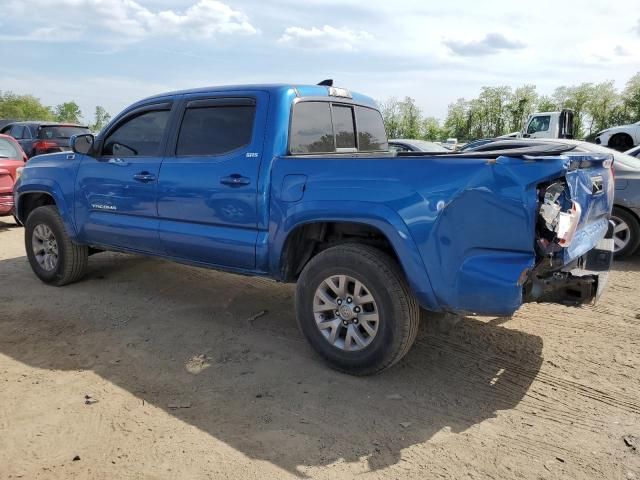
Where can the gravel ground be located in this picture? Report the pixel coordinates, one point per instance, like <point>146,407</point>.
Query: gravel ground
<point>152,370</point>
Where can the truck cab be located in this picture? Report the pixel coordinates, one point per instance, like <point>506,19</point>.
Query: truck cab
<point>549,125</point>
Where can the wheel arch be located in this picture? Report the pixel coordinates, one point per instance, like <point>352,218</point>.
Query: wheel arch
<point>628,210</point>
<point>634,228</point>
<point>620,135</point>
<point>302,238</point>
<point>30,197</point>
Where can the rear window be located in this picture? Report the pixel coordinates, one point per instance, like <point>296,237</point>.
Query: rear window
<point>371,133</point>
<point>215,130</point>
<point>311,129</point>
<point>323,127</point>
<point>344,127</point>
<point>8,149</point>
<point>60,131</point>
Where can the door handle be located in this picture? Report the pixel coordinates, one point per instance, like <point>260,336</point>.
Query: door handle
<point>235,180</point>
<point>144,177</point>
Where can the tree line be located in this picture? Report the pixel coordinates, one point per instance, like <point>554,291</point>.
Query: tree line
<point>501,110</point>
<point>27,107</point>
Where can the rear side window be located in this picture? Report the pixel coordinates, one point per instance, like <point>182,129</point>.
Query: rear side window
<point>371,133</point>
<point>344,127</point>
<point>138,136</point>
<point>8,149</point>
<point>56,131</point>
<point>16,131</point>
<point>311,129</point>
<point>215,130</point>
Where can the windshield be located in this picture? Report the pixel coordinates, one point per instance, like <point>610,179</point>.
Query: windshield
<point>8,149</point>
<point>57,131</point>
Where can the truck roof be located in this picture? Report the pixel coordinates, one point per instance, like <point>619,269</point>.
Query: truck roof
<point>275,88</point>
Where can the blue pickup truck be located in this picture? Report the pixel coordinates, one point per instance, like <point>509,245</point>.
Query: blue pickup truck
<point>297,183</point>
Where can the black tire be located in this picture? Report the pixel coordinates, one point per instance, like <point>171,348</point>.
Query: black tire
<point>634,231</point>
<point>72,258</point>
<point>398,310</point>
<point>621,142</point>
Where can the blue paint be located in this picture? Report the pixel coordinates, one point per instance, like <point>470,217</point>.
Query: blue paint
<point>462,228</point>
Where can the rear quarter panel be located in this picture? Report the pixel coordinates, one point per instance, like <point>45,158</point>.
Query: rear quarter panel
<point>463,228</point>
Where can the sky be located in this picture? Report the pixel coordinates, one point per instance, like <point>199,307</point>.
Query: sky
<point>114,52</point>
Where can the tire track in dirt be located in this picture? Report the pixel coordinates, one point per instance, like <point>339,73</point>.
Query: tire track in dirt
<point>619,400</point>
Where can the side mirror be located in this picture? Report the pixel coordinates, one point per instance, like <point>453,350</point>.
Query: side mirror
<point>82,143</point>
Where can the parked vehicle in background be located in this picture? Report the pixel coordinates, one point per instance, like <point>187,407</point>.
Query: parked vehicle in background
<point>548,125</point>
<point>409,145</point>
<point>620,138</point>
<point>11,159</point>
<point>450,143</point>
<point>634,152</point>
<point>37,138</point>
<point>297,183</point>
<point>626,210</point>
<point>4,122</point>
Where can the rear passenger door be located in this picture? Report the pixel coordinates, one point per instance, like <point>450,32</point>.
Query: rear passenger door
<point>208,184</point>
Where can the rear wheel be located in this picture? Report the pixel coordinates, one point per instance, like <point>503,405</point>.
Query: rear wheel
<point>355,308</point>
<point>626,233</point>
<point>53,257</point>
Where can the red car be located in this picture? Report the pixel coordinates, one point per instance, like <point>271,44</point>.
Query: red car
<point>11,157</point>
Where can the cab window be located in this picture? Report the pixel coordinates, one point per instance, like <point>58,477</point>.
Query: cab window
<point>138,136</point>
<point>215,130</point>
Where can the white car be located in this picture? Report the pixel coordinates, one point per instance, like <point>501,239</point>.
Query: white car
<point>620,138</point>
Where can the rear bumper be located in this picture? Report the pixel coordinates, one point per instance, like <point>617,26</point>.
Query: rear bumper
<point>582,281</point>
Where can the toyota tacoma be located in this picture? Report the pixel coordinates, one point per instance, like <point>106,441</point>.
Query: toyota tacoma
<point>297,183</point>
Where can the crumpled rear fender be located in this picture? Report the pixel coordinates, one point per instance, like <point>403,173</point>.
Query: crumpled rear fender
<point>481,245</point>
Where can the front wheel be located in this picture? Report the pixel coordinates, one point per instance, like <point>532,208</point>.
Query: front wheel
<point>356,310</point>
<point>53,257</point>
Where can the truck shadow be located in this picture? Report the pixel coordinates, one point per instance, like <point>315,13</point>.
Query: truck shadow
<point>223,353</point>
<point>630,264</point>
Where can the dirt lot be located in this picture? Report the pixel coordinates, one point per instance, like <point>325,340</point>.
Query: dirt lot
<point>152,370</point>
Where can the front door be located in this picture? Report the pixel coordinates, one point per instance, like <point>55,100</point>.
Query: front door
<point>116,189</point>
<point>207,192</point>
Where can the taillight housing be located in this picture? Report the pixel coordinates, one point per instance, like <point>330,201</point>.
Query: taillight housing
<point>568,224</point>
<point>42,146</point>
